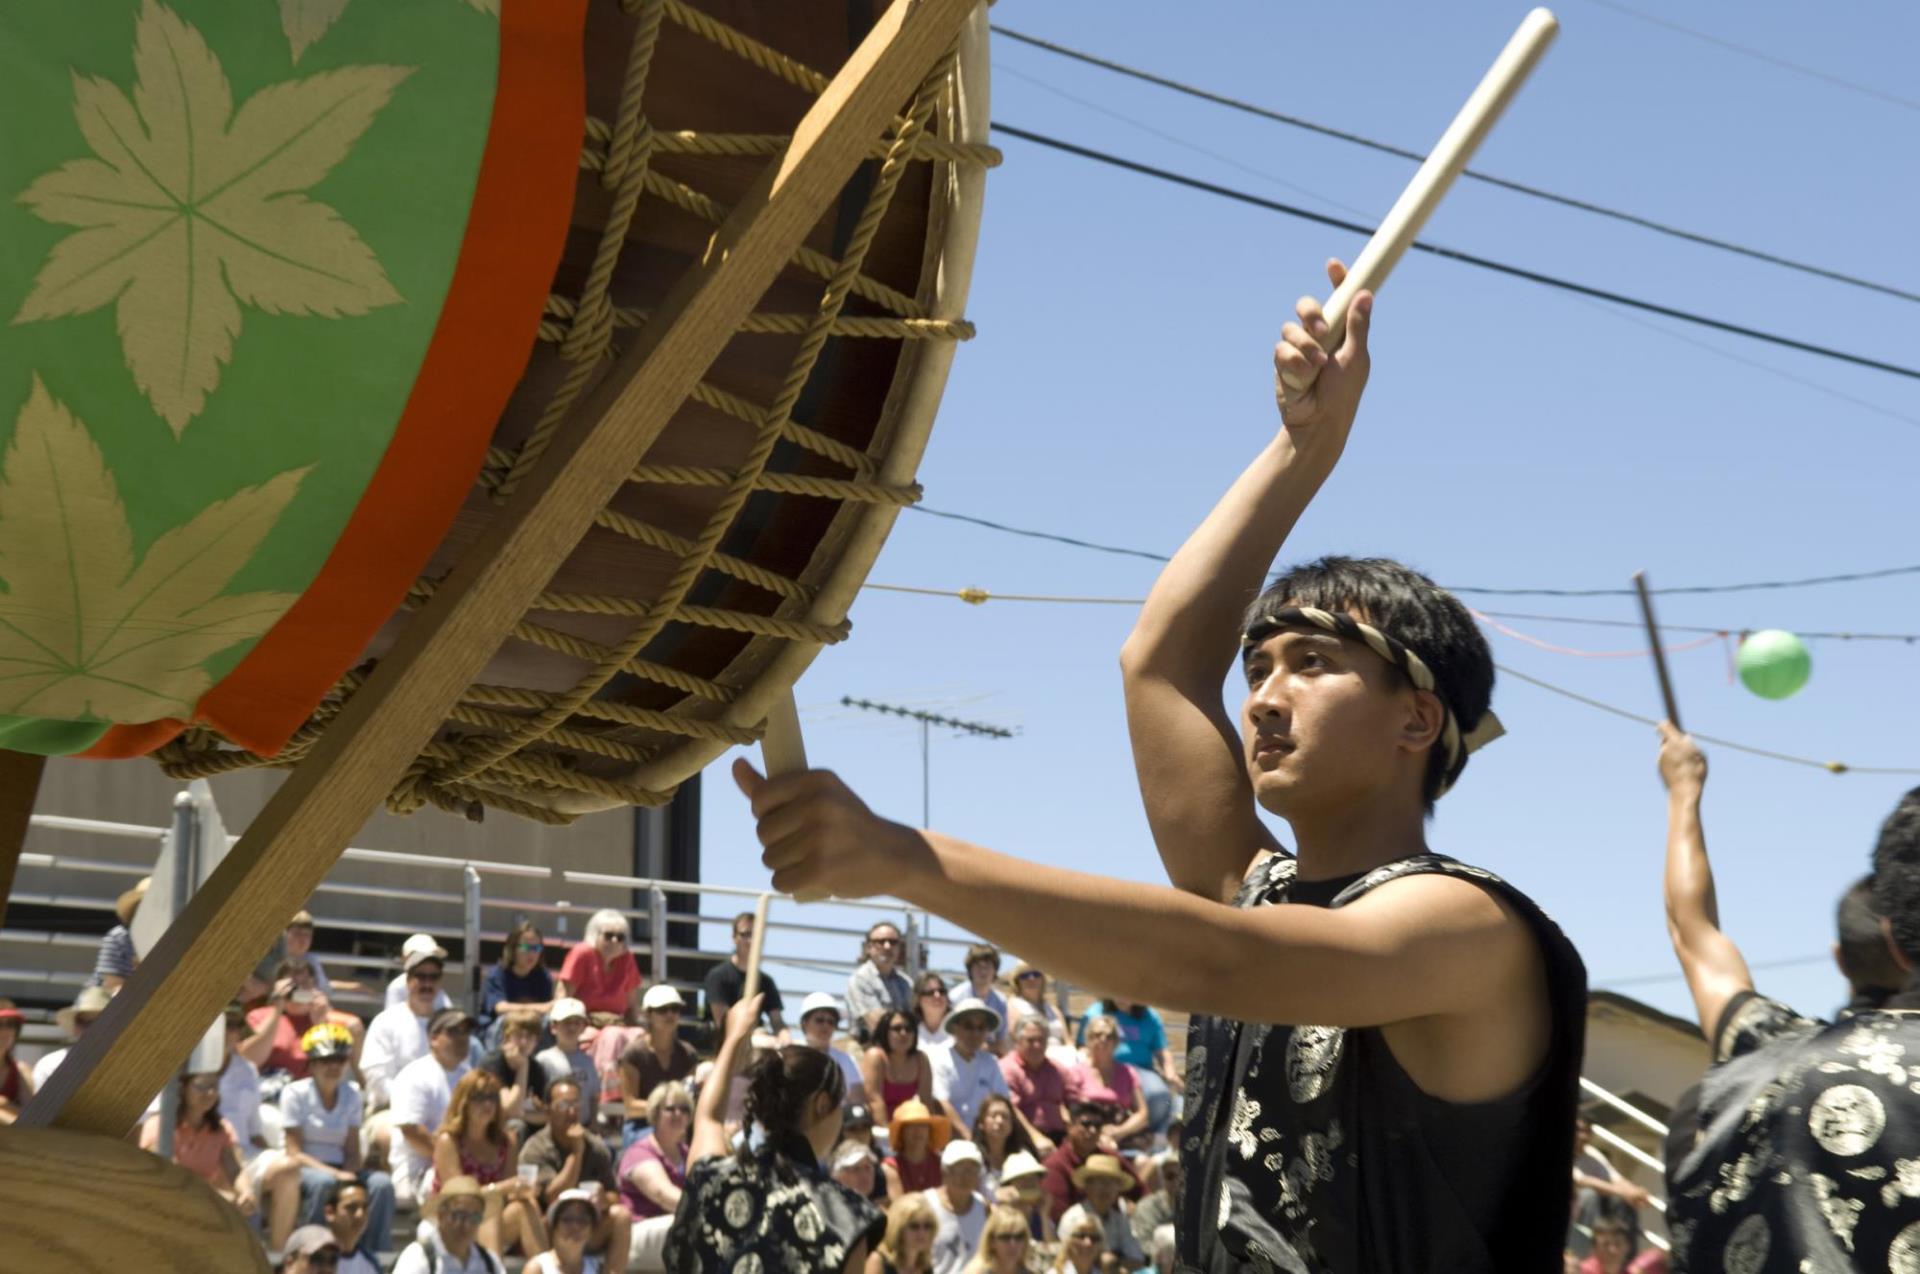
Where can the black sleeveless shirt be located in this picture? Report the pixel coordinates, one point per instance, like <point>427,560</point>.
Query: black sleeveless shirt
<point>1310,1150</point>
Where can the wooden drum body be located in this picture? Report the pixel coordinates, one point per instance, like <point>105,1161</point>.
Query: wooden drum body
<point>300,298</point>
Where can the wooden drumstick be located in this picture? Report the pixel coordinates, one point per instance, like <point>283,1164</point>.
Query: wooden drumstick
<point>1659,654</point>
<point>752,987</point>
<point>1429,185</point>
<point>785,752</point>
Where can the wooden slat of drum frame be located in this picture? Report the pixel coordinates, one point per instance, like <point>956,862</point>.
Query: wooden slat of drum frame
<point>19,785</point>
<point>138,1042</point>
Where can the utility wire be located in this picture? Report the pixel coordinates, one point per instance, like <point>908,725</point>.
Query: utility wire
<point>1666,331</point>
<point>977,596</point>
<point>1648,979</point>
<point>1798,68</point>
<point>1752,586</point>
<point>1453,254</point>
<point>1536,192</point>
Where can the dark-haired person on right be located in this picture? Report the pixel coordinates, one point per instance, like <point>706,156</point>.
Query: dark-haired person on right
<point>1803,1149</point>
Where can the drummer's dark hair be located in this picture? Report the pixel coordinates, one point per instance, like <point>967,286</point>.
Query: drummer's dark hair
<point>1896,874</point>
<point>1864,957</point>
<point>781,1084</point>
<point>1411,609</point>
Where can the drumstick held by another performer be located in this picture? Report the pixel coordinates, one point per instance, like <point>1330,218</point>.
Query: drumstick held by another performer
<point>1384,1060</point>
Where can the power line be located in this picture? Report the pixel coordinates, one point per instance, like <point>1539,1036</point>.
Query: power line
<point>1401,152</point>
<point>1758,966</point>
<point>978,596</point>
<point>1798,68</point>
<point>1748,587</point>
<point>1613,312</point>
<point>1453,254</point>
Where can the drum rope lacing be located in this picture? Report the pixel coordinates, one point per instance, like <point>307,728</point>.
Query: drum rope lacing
<point>511,757</point>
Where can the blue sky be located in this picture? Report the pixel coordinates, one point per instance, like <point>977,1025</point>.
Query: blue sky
<point>1512,436</point>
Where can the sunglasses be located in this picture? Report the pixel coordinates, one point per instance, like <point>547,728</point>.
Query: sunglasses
<point>462,1216</point>
<point>526,946</point>
<point>324,1261</point>
<point>742,934</point>
<point>619,938</point>
<point>205,1085</point>
<point>676,1110</point>
<point>883,942</point>
<point>901,1028</point>
<point>423,975</point>
<point>1010,1236</point>
<point>920,1225</point>
<point>933,991</point>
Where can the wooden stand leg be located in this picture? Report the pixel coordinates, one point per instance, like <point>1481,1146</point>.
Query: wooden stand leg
<point>19,785</point>
<point>138,1042</point>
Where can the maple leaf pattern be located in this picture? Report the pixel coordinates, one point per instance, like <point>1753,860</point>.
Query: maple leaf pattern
<point>191,209</point>
<point>85,632</point>
<point>305,21</point>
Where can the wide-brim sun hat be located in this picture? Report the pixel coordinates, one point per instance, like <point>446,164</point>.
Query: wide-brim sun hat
<point>1098,1166</point>
<point>92,999</point>
<point>1019,1166</point>
<point>820,1002</point>
<point>124,905</point>
<point>579,1194</point>
<point>461,1188</point>
<point>971,1006</point>
<point>914,1111</point>
<point>662,996</point>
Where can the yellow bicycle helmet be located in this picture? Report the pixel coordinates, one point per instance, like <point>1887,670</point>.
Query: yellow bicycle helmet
<point>328,1039</point>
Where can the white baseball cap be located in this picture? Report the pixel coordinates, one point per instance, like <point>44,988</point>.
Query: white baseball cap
<point>418,946</point>
<point>819,1002</point>
<point>960,1152</point>
<point>1019,1165</point>
<point>661,996</point>
<point>566,1010</point>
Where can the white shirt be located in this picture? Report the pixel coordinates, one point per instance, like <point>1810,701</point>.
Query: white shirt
<point>240,1104</point>
<point>395,1037</point>
<point>965,1082</point>
<point>577,1066</point>
<point>849,1069</point>
<point>958,1235</point>
<point>397,994</point>
<point>930,1040</point>
<point>356,1263</point>
<point>419,1095</point>
<point>46,1066</point>
<point>323,1132</point>
<point>414,1259</point>
<point>549,1263</point>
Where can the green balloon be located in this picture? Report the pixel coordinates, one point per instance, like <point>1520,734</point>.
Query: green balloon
<point>1773,663</point>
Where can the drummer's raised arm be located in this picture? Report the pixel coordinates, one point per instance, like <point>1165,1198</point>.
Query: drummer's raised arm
<point>1186,743</point>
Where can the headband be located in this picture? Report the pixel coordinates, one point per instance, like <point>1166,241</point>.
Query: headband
<point>13,1015</point>
<point>1458,746</point>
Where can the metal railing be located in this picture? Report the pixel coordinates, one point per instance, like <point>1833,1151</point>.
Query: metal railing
<point>474,906</point>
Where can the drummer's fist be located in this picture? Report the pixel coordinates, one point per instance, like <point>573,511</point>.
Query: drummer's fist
<point>1321,413</point>
<point>821,840</point>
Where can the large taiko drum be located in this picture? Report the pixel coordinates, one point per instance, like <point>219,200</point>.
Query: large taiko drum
<point>299,293</point>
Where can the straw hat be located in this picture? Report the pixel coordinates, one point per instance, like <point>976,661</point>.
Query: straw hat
<point>914,1111</point>
<point>462,1188</point>
<point>1098,1166</point>
<point>123,905</point>
<point>92,999</point>
<point>1019,1166</point>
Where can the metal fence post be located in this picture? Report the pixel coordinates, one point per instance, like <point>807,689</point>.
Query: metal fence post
<point>657,931</point>
<point>470,935</point>
<point>913,948</point>
<point>185,824</point>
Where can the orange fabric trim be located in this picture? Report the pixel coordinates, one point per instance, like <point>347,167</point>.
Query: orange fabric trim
<point>523,203</point>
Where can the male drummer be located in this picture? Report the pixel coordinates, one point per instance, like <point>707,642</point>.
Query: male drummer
<point>1384,1060</point>
<point>1802,1151</point>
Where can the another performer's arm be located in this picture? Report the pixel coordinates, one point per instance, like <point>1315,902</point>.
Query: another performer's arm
<point>1715,969</point>
<point>710,1112</point>
<point>1186,745</point>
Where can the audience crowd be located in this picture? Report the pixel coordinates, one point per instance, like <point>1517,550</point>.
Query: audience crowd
<point>554,1124</point>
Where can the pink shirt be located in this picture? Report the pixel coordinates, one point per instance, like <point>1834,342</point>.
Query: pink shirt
<point>647,1150</point>
<point>600,988</point>
<point>1086,1085</point>
<point>1039,1094</point>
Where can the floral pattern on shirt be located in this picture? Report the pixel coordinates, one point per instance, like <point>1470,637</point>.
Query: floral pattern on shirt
<point>772,1212</point>
<point>1808,1148</point>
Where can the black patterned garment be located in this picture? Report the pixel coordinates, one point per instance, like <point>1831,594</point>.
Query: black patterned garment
<point>1310,1150</point>
<point>775,1212</point>
<point>1807,1153</point>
